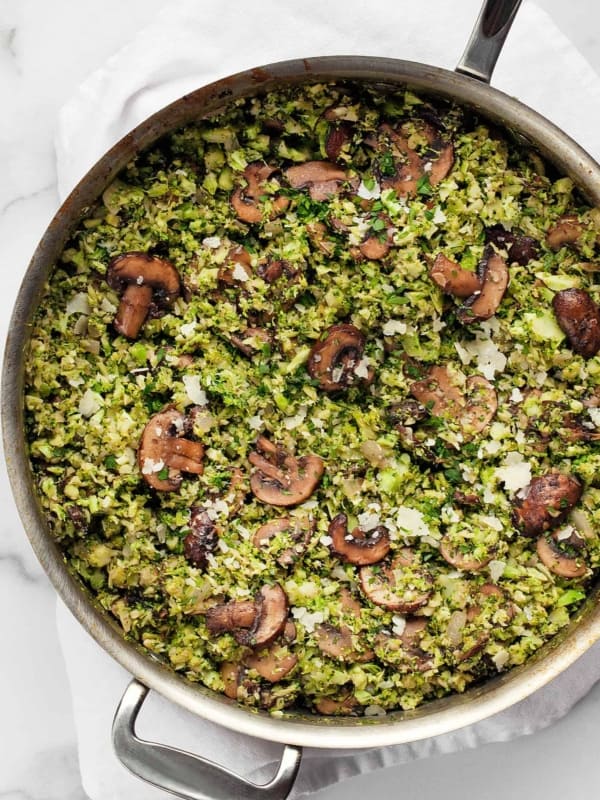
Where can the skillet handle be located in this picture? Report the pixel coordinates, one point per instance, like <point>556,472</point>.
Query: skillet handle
<point>488,37</point>
<point>187,775</point>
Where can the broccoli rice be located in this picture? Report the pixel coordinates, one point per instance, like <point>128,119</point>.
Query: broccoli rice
<point>313,400</point>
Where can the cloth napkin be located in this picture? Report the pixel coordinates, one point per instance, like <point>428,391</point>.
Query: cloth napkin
<point>188,45</point>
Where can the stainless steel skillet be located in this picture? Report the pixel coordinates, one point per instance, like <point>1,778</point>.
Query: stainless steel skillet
<point>184,774</point>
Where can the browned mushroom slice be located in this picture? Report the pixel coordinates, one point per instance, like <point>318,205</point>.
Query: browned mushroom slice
<point>317,233</point>
<point>334,359</point>
<point>397,585</point>
<point>162,447</point>
<point>481,407</point>
<point>202,538</point>
<point>330,706</point>
<point>390,647</point>
<point>483,304</point>
<point>338,137</point>
<point>322,178</point>
<point>229,617</point>
<point>408,166</point>
<point>252,340</point>
<point>559,562</point>
<point>273,663</point>
<point>567,230</point>
<point>232,676</point>
<point>441,166</point>
<point>375,248</point>
<point>579,317</point>
<point>520,248</point>
<point>147,284</point>
<point>459,559</point>
<point>357,547</point>
<point>335,642</point>
<point>437,393</point>
<point>452,278</point>
<point>299,530</point>
<point>246,200</point>
<point>252,622</point>
<point>281,479</point>
<point>350,605</point>
<point>546,503</point>
<point>240,272</point>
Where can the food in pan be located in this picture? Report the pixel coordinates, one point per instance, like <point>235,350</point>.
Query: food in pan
<point>313,399</point>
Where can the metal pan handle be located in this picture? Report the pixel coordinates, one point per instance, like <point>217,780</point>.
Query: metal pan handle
<point>488,37</point>
<point>187,775</point>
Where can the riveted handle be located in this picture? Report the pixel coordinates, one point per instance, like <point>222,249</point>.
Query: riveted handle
<point>488,37</point>
<point>185,774</point>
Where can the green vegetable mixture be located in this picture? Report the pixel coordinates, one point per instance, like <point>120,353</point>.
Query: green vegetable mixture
<point>313,398</point>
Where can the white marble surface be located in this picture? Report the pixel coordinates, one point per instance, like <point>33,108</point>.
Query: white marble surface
<point>46,49</point>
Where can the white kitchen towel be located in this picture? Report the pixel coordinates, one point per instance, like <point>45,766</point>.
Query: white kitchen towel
<point>188,45</point>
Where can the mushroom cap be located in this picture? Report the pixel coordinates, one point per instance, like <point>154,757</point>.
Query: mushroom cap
<point>452,278</point>
<point>558,561</point>
<point>144,282</point>
<point>300,533</point>
<point>245,200</point>
<point>143,269</point>
<point>162,445</point>
<point>463,561</point>
<point>332,360</point>
<point>281,479</point>
<point>356,548</point>
<point>579,317</point>
<point>322,178</point>
<point>379,584</point>
<point>202,538</point>
<point>548,500</point>
<point>567,230</point>
<point>271,616</point>
<point>484,303</point>
<point>274,664</point>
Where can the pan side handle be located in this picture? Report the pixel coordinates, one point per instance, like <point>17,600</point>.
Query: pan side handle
<point>488,37</point>
<point>187,775</point>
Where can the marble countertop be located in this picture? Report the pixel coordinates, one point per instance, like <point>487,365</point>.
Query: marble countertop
<point>46,50</point>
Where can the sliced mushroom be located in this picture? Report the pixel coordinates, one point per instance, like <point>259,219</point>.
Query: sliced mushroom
<point>147,284</point>
<point>339,135</point>
<point>335,642</point>
<point>274,663</point>
<point>567,230</point>
<point>322,178</point>
<point>546,502</point>
<point>459,559</point>
<point>299,529</point>
<point>579,317</point>
<point>380,584</point>
<point>557,561</point>
<point>232,675</point>
<point>281,479</point>
<point>519,248</point>
<point>329,706</point>
<point>252,622</point>
<point>357,547</point>
<point>252,340</point>
<point>452,278</point>
<point>202,538</point>
<point>389,647</point>
<point>438,394</point>
<point>333,361</point>
<point>317,233</point>
<point>246,201</point>
<point>240,272</point>
<point>163,446</point>
<point>408,166</point>
<point>375,248</point>
<point>481,406</point>
<point>483,304</point>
